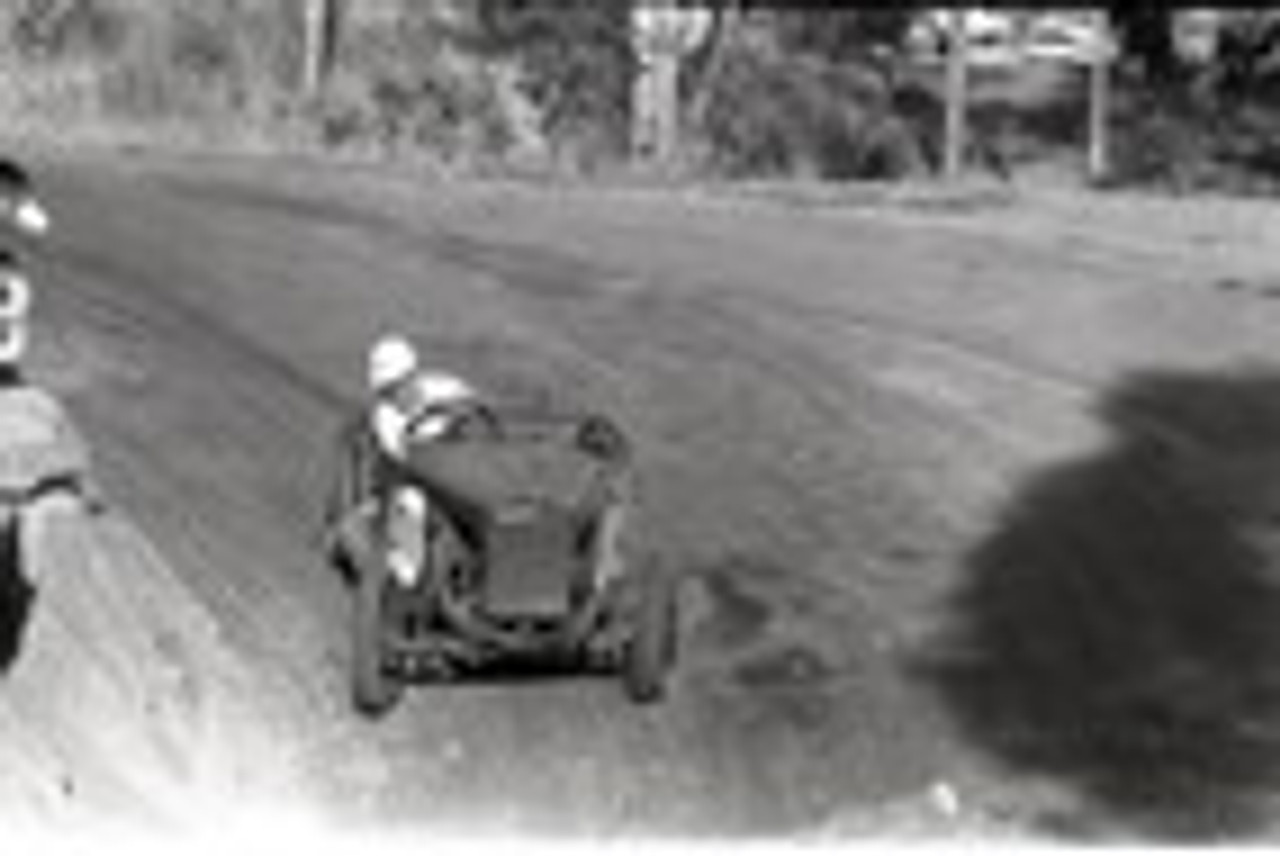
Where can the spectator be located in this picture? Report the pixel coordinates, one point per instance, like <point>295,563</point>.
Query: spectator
<point>15,311</point>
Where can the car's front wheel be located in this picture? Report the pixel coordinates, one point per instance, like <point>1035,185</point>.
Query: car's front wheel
<point>374,692</point>
<point>651,649</point>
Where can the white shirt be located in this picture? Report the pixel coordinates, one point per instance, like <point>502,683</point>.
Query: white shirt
<point>398,418</point>
<point>15,308</point>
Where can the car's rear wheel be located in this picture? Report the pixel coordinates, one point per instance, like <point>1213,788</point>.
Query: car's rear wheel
<point>374,692</point>
<point>651,649</point>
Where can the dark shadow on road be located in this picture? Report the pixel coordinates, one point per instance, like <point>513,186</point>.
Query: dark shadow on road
<point>1120,630</point>
<point>16,593</point>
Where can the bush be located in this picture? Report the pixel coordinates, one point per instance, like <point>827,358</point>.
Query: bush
<point>202,58</point>
<point>395,110</point>
<point>405,86</point>
<point>577,67</point>
<point>1184,141</point>
<point>760,110</point>
<point>49,29</point>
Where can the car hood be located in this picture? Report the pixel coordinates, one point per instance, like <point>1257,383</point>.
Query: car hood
<point>532,462</point>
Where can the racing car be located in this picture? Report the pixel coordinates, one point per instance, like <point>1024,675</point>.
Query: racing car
<point>518,557</point>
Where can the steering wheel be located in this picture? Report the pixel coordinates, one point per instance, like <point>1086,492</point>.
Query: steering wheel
<point>472,420</point>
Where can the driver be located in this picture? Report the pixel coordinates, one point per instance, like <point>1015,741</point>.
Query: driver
<point>410,403</point>
<point>411,406</point>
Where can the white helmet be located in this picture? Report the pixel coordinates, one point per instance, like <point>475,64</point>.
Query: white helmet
<point>32,217</point>
<point>391,359</point>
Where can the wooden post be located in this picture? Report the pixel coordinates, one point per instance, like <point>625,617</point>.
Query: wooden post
<point>1099,102</point>
<point>666,70</point>
<point>642,95</point>
<point>317,35</point>
<point>955,138</point>
<point>665,34</point>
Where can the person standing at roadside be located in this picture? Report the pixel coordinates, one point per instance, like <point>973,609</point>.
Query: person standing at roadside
<point>19,204</point>
<point>23,217</point>
<point>15,321</point>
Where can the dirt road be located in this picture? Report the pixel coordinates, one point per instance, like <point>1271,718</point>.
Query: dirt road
<point>843,416</point>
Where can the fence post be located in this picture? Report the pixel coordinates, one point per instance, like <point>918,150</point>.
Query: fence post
<point>956,130</point>
<point>1099,161</point>
<point>664,34</point>
<point>317,37</point>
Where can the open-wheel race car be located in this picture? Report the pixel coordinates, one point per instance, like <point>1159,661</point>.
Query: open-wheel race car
<point>500,546</point>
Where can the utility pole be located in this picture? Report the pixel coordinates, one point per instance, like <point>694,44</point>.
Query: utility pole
<point>955,133</point>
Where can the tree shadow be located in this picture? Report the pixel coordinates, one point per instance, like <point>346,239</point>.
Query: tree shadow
<point>1119,632</point>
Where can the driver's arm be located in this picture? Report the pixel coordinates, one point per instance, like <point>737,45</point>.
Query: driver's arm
<point>389,428</point>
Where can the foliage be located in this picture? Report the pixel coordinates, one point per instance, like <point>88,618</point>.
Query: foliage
<point>1247,64</point>
<point>1212,125</point>
<point>1144,33</point>
<point>786,91</point>
<point>845,35</point>
<point>43,29</point>
<point>398,88</point>
<point>578,66</point>
<point>201,56</point>
<point>774,90</point>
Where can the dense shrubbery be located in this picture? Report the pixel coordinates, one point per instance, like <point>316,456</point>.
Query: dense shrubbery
<point>759,111</point>
<point>201,58</point>
<point>402,87</point>
<point>774,92</point>
<point>577,65</point>
<point>1208,125</point>
<point>1179,143</point>
<point>831,94</point>
<point>41,29</point>
<point>785,93</point>
<point>394,84</point>
<point>448,79</point>
<point>216,60</point>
